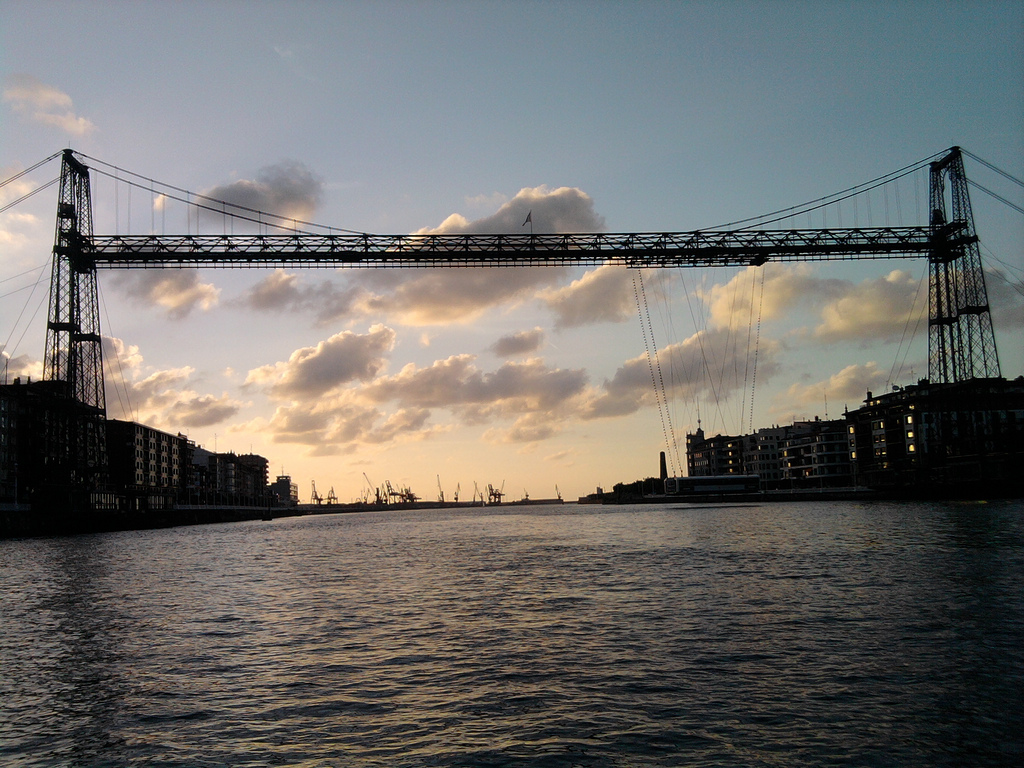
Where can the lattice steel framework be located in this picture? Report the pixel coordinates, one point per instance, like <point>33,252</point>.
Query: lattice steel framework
<point>961,341</point>
<point>74,356</point>
<point>703,248</point>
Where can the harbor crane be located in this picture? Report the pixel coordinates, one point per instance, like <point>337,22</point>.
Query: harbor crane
<point>961,341</point>
<point>494,495</point>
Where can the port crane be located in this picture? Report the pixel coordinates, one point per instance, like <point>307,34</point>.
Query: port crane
<point>961,341</point>
<point>494,495</point>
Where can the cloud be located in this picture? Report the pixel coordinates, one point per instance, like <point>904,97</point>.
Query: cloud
<point>786,289</point>
<point>288,189</point>
<point>338,400</point>
<point>314,371</point>
<point>529,428</point>
<point>341,423</point>
<point>878,309</point>
<point>443,296</point>
<point>44,104</point>
<point>439,296</point>
<point>518,344</point>
<point>431,297</point>
<point>602,295</point>
<point>161,398</point>
<point>847,387</point>
<point>277,291</point>
<point>1006,300</point>
<point>282,291</point>
<point>456,382</point>
<point>840,310</point>
<point>177,291</point>
<point>12,190</point>
<point>20,366</point>
<point>561,210</point>
<point>709,364</point>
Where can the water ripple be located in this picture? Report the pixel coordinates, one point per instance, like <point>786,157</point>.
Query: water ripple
<point>848,634</point>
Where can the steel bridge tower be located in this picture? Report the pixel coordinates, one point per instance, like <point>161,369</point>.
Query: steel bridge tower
<point>74,358</point>
<point>961,342</point>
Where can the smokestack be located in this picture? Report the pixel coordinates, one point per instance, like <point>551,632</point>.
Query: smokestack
<point>664,467</point>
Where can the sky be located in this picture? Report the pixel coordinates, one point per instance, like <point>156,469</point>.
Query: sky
<point>400,117</point>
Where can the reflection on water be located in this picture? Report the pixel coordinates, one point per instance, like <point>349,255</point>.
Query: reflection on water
<point>803,634</point>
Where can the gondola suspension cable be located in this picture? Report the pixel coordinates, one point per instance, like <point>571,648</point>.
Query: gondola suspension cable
<point>650,365</point>
<point>130,410</point>
<point>746,357</point>
<point>673,446</point>
<point>895,372</point>
<point>757,346</point>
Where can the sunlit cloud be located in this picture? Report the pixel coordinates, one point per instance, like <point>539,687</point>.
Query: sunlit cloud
<point>44,104</point>
<point>438,296</point>
<point>341,423</point>
<point>606,294</point>
<point>178,291</point>
<point>12,190</point>
<point>456,381</point>
<point>561,210</point>
<point>709,364</point>
<point>22,366</point>
<point>769,292</point>
<point>877,309</point>
<point>341,359</point>
<point>848,387</point>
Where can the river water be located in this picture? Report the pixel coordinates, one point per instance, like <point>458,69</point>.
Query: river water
<point>854,634</point>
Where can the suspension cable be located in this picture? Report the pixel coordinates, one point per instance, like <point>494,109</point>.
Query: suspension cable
<point>835,197</point>
<point>211,203</point>
<point>991,167</point>
<point>29,170</point>
<point>1000,198</point>
<point>26,196</point>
